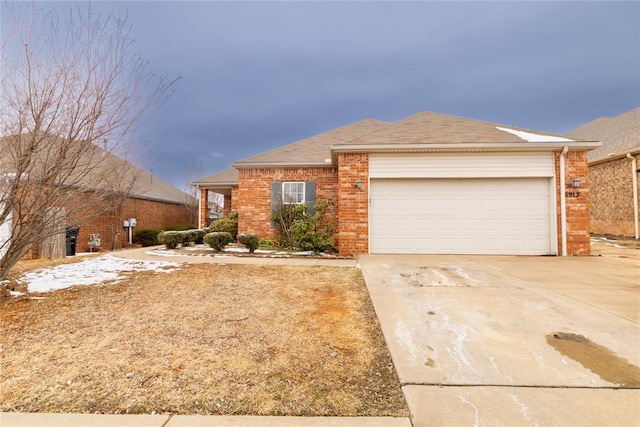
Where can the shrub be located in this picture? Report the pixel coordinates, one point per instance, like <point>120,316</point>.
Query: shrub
<point>199,235</point>
<point>268,244</point>
<point>250,240</point>
<point>146,237</point>
<point>188,236</point>
<point>180,227</point>
<point>227,224</point>
<point>301,231</point>
<point>217,240</point>
<point>171,239</point>
<point>284,217</point>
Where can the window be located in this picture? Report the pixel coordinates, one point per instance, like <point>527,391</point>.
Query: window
<point>293,192</point>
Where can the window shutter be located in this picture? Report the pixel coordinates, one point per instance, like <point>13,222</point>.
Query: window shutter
<point>276,195</point>
<point>310,197</point>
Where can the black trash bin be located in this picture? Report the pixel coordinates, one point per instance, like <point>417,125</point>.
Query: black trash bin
<point>72,236</point>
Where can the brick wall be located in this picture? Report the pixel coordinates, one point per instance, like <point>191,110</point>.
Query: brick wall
<point>612,198</point>
<point>254,195</point>
<point>148,214</point>
<point>353,204</point>
<point>576,202</point>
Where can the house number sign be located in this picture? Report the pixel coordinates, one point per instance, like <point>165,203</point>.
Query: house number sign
<point>572,194</point>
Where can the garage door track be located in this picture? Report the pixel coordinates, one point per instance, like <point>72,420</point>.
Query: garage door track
<point>512,340</point>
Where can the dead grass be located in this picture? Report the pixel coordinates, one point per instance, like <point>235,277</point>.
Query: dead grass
<point>207,339</point>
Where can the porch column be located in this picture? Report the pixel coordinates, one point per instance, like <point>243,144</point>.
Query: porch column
<point>226,208</point>
<point>204,208</point>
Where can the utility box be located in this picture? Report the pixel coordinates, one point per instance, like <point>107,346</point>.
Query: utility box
<point>72,239</point>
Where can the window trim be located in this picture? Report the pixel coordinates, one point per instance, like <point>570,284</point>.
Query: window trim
<point>302,193</point>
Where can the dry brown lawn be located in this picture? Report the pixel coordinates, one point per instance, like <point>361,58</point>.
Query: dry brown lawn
<point>206,339</point>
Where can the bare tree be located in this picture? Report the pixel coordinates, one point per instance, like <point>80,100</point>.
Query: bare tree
<point>67,84</point>
<point>192,170</point>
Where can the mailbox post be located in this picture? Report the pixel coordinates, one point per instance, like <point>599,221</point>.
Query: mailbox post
<point>130,224</point>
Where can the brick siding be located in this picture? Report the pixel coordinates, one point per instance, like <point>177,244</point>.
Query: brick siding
<point>204,208</point>
<point>148,214</point>
<point>252,200</point>
<point>353,203</point>
<point>612,198</point>
<point>576,202</point>
<point>254,195</point>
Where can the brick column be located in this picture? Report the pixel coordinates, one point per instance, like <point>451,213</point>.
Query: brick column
<point>577,203</point>
<point>353,204</point>
<point>204,207</point>
<point>578,235</point>
<point>226,207</point>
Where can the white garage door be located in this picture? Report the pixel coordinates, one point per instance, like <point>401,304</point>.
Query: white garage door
<point>461,216</point>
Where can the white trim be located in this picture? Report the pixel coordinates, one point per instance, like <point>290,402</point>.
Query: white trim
<point>304,192</point>
<point>200,210</point>
<point>634,186</point>
<point>563,202</point>
<point>553,215</point>
<point>455,165</point>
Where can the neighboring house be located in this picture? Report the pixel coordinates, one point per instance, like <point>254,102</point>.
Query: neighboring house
<point>154,203</point>
<point>428,184</point>
<point>104,196</point>
<point>613,171</point>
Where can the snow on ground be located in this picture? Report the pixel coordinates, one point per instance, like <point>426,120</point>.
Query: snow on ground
<point>91,271</point>
<point>227,250</point>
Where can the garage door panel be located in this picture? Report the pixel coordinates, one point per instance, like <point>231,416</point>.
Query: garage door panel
<point>491,216</point>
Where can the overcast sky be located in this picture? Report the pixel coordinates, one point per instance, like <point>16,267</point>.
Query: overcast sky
<point>259,75</point>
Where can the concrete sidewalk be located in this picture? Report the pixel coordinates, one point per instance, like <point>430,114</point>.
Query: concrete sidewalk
<point>10,419</point>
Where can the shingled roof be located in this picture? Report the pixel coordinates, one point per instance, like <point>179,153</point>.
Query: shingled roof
<point>435,128</point>
<point>109,171</point>
<point>618,135</point>
<point>313,151</point>
<point>422,128</point>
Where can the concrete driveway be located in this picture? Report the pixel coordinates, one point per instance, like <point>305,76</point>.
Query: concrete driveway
<point>505,340</point>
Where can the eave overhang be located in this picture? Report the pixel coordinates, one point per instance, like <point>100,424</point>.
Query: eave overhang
<point>276,165</point>
<point>464,147</point>
<point>615,156</point>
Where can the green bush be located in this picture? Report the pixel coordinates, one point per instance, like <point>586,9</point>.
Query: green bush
<point>217,240</point>
<point>146,237</point>
<point>199,235</point>
<point>180,227</point>
<point>250,240</point>
<point>284,217</point>
<point>301,231</point>
<point>171,239</point>
<point>188,237</point>
<point>267,244</point>
<point>227,224</point>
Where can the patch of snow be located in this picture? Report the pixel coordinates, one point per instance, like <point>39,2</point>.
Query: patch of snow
<point>16,293</point>
<point>534,137</point>
<point>476,421</point>
<point>405,339</point>
<point>90,271</point>
<point>162,252</point>
<point>237,250</point>
<point>614,245</point>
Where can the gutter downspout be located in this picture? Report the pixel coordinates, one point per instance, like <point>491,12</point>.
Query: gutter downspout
<point>563,202</point>
<point>634,180</point>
